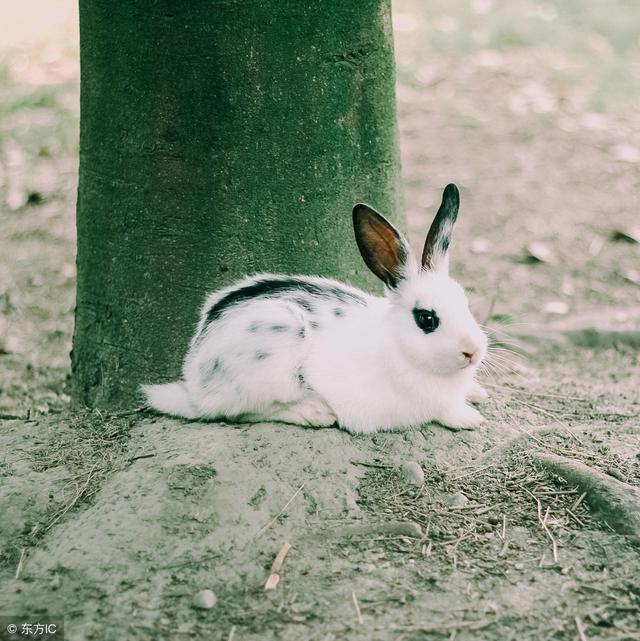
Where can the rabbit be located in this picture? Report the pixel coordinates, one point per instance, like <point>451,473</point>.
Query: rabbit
<point>313,351</point>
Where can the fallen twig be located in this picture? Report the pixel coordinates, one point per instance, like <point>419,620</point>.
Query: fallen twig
<point>578,501</point>
<point>137,458</point>
<point>381,466</point>
<point>274,578</point>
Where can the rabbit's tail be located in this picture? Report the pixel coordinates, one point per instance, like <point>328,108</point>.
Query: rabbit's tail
<point>170,398</point>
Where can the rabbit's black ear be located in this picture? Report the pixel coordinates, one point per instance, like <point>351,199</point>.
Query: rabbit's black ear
<point>434,254</point>
<point>382,246</point>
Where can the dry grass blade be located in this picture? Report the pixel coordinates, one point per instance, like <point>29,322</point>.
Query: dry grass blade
<point>551,415</point>
<point>543,524</point>
<point>80,493</point>
<point>265,527</point>
<point>581,631</point>
<point>356,605</point>
<point>20,567</point>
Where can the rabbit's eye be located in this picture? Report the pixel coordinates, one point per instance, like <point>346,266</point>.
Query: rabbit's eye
<point>426,319</point>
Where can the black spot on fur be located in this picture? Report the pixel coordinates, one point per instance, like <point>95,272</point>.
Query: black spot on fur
<point>278,329</point>
<point>301,332</point>
<point>260,356</point>
<point>208,374</point>
<point>301,380</point>
<point>304,303</point>
<point>344,296</point>
<point>314,324</point>
<point>273,287</point>
<point>338,311</point>
<point>255,326</point>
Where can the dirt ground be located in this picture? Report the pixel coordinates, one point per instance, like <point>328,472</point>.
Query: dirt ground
<point>527,528</point>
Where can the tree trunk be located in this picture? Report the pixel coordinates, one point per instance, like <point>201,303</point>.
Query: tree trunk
<point>218,138</point>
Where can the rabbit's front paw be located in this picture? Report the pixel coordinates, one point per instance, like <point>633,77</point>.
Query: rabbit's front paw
<point>462,418</point>
<point>476,393</point>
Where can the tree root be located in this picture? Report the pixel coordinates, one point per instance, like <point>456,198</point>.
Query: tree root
<point>614,501</point>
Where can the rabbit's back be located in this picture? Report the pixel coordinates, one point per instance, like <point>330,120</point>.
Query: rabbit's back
<point>253,340</point>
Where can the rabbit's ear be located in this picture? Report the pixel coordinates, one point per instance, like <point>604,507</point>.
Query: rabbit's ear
<point>384,249</point>
<point>434,254</point>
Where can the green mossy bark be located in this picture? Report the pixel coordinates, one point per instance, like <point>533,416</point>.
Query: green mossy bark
<point>218,138</point>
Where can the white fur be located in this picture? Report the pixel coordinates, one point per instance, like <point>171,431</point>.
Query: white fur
<point>369,369</point>
<point>171,398</point>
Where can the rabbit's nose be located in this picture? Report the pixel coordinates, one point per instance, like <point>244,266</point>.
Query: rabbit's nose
<point>470,352</point>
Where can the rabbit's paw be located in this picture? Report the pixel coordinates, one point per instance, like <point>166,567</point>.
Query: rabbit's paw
<point>461,418</point>
<point>476,393</point>
<point>309,412</point>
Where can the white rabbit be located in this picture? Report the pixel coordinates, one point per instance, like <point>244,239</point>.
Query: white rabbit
<point>314,351</point>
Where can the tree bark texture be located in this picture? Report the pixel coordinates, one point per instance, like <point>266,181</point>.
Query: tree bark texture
<point>218,138</point>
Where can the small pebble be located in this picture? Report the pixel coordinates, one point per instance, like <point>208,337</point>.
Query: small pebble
<point>494,520</point>
<point>412,472</point>
<point>458,499</point>
<point>204,600</point>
